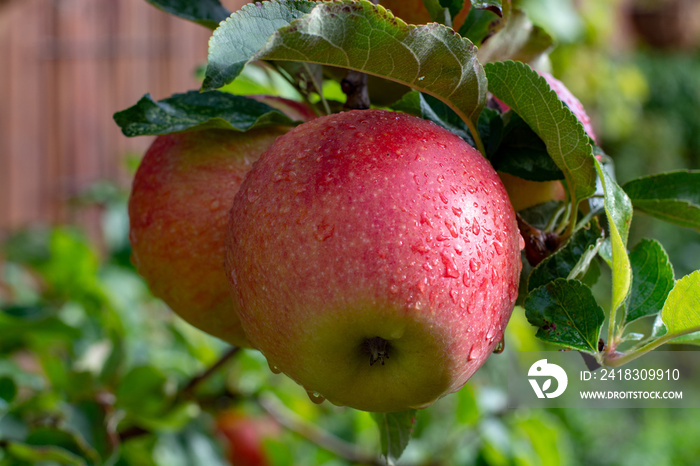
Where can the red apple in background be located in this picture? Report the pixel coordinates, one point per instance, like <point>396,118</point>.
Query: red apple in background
<point>178,210</point>
<point>244,437</point>
<point>414,12</point>
<point>375,257</point>
<point>525,193</point>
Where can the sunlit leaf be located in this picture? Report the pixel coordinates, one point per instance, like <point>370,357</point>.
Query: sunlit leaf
<point>681,311</point>
<point>618,210</point>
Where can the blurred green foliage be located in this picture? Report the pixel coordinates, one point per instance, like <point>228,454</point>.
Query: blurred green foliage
<point>94,370</point>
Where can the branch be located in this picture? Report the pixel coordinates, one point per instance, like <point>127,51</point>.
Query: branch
<point>316,435</point>
<point>188,390</point>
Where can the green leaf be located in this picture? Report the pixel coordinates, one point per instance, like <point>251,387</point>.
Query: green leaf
<point>43,454</point>
<point>566,313</point>
<point>681,311</point>
<point>523,153</point>
<point>454,6</point>
<point>618,210</point>
<point>236,40</point>
<point>429,108</point>
<point>193,111</point>
<point>367,38</point>
<point>395,431</point>
<point>529,95</point>
<point>673,197</point>
<point>480,25</point>
<point>142,391</point>
<point>8,391</point>
<point>438,13</point>
<point>517,40</point>
<point>571,260</point>
<point>496,6</point>
<point>68,441</point>
<point>208,13</point>
<point>652,279</point>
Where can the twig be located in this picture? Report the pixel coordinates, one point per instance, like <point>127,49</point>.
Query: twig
<point>188,390</point>
<point>316,435</point>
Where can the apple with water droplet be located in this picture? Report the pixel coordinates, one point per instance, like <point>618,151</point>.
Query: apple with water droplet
<point>375,257</point>
<point>178,211</point>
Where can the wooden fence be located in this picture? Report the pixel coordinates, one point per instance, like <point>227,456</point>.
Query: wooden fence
<point>65,67</point>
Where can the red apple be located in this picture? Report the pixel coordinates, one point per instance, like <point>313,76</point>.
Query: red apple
<point>178,212</point>
<point>375,257</point>
<point>414,12</point>
<point>244,437</point>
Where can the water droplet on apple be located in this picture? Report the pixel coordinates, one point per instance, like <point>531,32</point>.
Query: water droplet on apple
<point>474,265</point>
<point>458,249</point>
<point>498,247</point>
<point>425,220</point>
<point>215,204</point>
<point>274,369</point>
<point>441,178</point>
<point>443,198</point>
<point>500,346</point>
<point>512,291</point>
<point>316,397</point>
<point>473,353</point>
<point>457,211</point>
<point>491,333</point>
<point>455,296</point>
<point>421,248</point>
<point>475,227</point>
<point>452,228</point>
<point>494,276</point>
<point>450,267</point>
<point>394,289</point>
<point>253,194</point>
<point>323,231</point>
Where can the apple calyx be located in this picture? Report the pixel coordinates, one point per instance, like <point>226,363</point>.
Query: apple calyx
<point>377,348</point>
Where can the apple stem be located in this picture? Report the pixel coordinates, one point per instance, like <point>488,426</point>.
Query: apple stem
<point>377,348</point>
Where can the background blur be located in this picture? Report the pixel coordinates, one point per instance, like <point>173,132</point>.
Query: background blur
<point>85,348</point>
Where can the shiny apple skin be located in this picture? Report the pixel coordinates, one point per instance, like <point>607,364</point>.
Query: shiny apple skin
<point>371,224</point>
